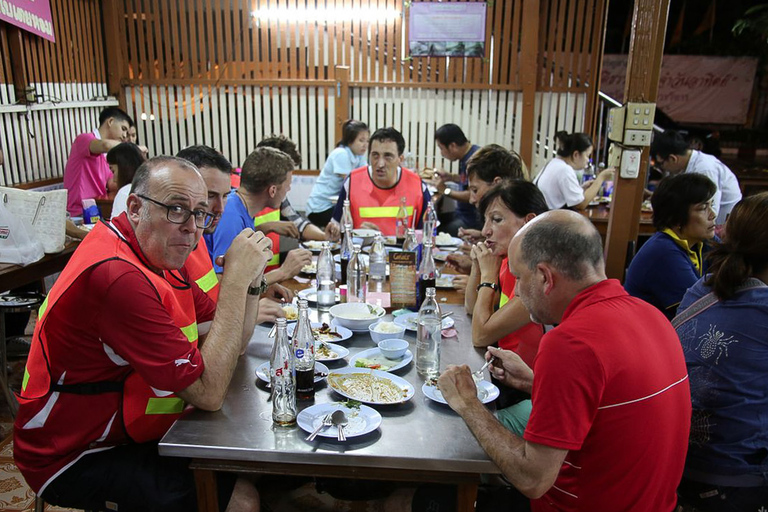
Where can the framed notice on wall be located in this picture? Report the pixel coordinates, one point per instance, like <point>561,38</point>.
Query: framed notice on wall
<point>453,29</point>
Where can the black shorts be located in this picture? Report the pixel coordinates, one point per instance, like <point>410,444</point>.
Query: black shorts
<point>131,477</point>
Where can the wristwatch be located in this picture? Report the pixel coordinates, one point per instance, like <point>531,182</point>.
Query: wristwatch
<point>448,191</point>
<point>492,286</point>
<point>258,290</point>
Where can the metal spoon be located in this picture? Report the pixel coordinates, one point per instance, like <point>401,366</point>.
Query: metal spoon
<point>339,419</point>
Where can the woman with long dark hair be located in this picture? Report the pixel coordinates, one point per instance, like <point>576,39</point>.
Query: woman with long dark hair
<point>558,180</point>
<point>722,326</point>
<point>351,152</point>
<point>123,160</point>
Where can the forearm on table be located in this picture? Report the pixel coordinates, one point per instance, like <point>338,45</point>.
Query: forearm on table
<point>470,295</point>
<point>249,321</point>
<point>276,276</point>
<point>312,232</point>
<point>517,459</point>
<point>222,347</point>
<point>590,193</point>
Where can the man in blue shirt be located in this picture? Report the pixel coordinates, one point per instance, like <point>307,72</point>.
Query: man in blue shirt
<point>454,146</point>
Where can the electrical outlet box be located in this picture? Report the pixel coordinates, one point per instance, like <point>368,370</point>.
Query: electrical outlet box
<point>614,155</point>
<point>639,116</point>
<point>637,137</point>
<point>630,163</point>
<point>616,124</point>
<point>30,94</point>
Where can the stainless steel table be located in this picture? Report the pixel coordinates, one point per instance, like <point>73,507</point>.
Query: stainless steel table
<point>419,441</point>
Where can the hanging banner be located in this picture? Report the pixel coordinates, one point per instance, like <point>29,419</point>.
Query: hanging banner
<point>454,29</point>
<point>693,88</point>
<point>30,15</point>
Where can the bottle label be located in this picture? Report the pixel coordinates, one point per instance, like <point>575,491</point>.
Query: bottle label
<point>299,353</point>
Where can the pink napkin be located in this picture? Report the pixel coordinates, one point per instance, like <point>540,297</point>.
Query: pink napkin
<point>449,333</point>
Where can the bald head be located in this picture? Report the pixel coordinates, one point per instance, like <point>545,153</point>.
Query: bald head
<point>565,240</point>
<point>160,168</point>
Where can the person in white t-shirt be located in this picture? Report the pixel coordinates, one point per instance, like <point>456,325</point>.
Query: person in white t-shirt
<point>558,180</point>
<point>123,161</point>
<point>672,154</point>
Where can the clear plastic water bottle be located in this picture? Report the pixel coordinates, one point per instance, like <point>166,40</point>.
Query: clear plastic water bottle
<point>430,222</point>
<point>428,337</point>
<point>427,270</point>
<point>378,260</point>
<point>401,222</point>
<point>346,217</point>
<point>326,279</point>
<point>282,378</point>
<point>304,354</point>
<point>356,278</point>
<point>589,172</point>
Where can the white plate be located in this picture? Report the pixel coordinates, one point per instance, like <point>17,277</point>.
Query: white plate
<point>341,353</point>
<point>441,255</point>
<point>404,385</point>
<point>410,325</point>
<point>357,331</point>
<point>310,294</point>
<point>445,281</point>
<point>486,392</point>
<point>359,421</point>
<point>455,242</point>
<point>375,354</point>
<point>309,269</point>
<point>343,331</point>
<point>262,372</point>
<point>365,233</point>
<point>317,246</point>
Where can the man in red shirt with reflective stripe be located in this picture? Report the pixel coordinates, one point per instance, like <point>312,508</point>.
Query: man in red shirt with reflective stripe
<point>106,320</point>
<point>611,409</point>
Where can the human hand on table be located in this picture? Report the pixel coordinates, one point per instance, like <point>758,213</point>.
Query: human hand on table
<point>370,225</point>
<point>459,283</point>
<point>510,369</point>
<point>247,256</point>
<point>488,263</point>
<point>460,262</point>
<point>295,259</point>
<point>333,231</point>
<point>269,311</point>
<point>278,292</point>
<point>458,387</point>
<point>281,227</point>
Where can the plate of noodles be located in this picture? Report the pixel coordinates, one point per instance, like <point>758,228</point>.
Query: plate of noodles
<point>372,387</point>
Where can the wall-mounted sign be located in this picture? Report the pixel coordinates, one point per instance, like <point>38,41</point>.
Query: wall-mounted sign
<point>693,88</point>
<point>31,15</point>
<point>453,29</point>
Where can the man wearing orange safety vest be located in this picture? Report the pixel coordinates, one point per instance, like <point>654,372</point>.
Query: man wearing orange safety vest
<point>264,182</point>
<point>375,191</point>
<point>124,311</point>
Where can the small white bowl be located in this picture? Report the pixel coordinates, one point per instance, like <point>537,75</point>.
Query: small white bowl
<point>348,315</point>
<point>393,348</point>
<point>381,336</point>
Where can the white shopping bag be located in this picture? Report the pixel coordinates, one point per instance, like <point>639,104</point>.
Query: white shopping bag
<point>18,243</point>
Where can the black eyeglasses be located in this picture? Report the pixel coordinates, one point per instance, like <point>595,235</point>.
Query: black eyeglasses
<point>179,215</point>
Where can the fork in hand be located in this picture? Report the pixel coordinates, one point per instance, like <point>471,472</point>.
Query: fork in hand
<point>325,423</point>
<point>478,375</point>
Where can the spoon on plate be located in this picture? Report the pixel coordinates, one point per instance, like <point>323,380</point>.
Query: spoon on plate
<point>339,419</point>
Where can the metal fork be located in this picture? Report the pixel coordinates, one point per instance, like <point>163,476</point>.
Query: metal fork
<point>478,375</point>
<point>327,422</point>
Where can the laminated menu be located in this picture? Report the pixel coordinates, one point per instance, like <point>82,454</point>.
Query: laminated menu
<point>402,279</point>
<point>45,211</point>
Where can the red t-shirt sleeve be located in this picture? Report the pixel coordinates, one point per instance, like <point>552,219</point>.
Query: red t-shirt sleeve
<point>82,145</point>
<point>142,332</point>
<point>567,390</point>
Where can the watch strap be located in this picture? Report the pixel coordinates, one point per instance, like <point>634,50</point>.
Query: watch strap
<point>492,286</point>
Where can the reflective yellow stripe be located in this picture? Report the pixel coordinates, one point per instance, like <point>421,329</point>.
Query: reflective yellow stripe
<point>25,380</point>
<point>503,300</point>
<point>190,332</point>
<point>208,281</point>
<point>43,308</point>
<point>381,212</point>
<point>267,217</point>
<point>172,405</point>
<point>275,260</point>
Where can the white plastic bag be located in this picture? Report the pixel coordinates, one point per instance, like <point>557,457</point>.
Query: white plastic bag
<point>18,244</point>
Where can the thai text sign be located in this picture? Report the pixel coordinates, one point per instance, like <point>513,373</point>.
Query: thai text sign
<point>31,15</point>
<point>693,88</point>
<point>447,28</point>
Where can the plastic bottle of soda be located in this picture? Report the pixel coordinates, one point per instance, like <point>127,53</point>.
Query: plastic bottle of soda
<point>304,354</point>
<point>282,378</point>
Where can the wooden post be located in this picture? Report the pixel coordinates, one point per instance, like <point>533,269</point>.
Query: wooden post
<point>342,99</point>
<point>115,56</point>
<point>16,54</point>
<point>649,26</point>
<point>596,67</point>
<point>528,71</point>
